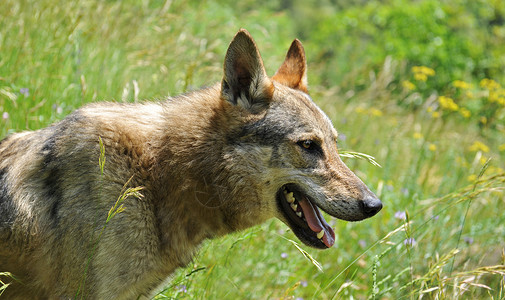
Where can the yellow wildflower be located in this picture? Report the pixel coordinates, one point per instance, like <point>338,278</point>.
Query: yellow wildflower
<point>482,160</point>
<point>495,170</point>
<point>416,69</point>
<point>408,85</point>
<point>423,70</point>
<point>432,147</point>
<point>420,77</point>
<point>483,120</point>
<point>484,82</point>
<point>479,146</point>
<point>493,97</point>
<point>421,73</point>
<point>428,71</point>
<point>418,135</point>
<point>472,178</point>
<point>435,114</point>
<point>489,84</point>
<point>461,84</point>
<point>360,110</point>
<point>501,147</point>
<point>447,103</point>
<point>465,113</point>
<point>375,112</point>
<point>469,94</point>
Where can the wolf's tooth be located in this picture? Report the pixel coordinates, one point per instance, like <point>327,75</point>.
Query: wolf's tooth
<point>285,191</point>
<point>294,206</point>
<point>320,234</point>
<point>290,198</point>
<point>299,214</point>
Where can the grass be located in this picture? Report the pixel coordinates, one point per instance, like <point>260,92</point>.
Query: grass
<point>5,285</point>
<point>126,192</point>
<point>441,233</point>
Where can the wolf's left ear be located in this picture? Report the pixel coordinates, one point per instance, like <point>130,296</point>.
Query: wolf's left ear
<point>245,81</point>
<point>293,71</point>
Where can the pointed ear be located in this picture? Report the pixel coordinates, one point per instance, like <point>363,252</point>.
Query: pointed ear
<point>293,71</point>
<point>245,81</point>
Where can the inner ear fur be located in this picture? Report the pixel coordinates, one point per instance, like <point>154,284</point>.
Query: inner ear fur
<point>245,82</point>
<point>293,71</point>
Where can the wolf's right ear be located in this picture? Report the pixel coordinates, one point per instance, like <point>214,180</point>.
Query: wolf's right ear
<point>245,81</point>
<point>293,71</point>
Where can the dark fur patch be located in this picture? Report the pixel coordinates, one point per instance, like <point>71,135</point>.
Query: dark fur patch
<point>4,140</point>
<point>7,209</point>
<point>52,168</point>
<point>51,175</point>
<point>268,131</point>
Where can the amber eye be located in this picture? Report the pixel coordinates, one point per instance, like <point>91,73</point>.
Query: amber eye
<point>311,147</point>
<point>307,144</point>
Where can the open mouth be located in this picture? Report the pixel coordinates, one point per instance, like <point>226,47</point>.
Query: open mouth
<point>304,217</point>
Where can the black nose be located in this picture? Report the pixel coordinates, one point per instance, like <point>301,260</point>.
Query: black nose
<point>371,206</point>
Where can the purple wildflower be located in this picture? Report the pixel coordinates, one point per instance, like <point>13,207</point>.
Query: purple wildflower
<point>304,283</point>
<point>182,288</point>
<point>25,92</point>
<point>362,243</point>
<point>284,255</point>
<point>57,108</point>
<point>400,215</point>
<point>410,242</point>
<point>468,240</point>
<point>5,116</point>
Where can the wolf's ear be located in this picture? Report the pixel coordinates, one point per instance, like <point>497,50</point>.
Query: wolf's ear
<point>245,81</point>
<point>293,71</point>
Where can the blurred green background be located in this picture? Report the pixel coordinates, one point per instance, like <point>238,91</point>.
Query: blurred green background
<point>419,85</point>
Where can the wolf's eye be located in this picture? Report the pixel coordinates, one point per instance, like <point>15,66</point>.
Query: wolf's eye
<point>309,145</point>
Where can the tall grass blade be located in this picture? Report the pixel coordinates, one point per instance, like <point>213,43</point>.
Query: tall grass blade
<point>359,155</point>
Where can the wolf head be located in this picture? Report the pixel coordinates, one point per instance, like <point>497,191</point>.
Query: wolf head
<point>288,146</point>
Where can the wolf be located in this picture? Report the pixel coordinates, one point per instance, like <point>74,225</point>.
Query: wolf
<point>209,162</point>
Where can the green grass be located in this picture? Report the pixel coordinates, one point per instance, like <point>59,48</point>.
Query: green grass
<point>55,56</point>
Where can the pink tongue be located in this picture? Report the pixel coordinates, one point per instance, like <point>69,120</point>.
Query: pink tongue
<point>317,222</point>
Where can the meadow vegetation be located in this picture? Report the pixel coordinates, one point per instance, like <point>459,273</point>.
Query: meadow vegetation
<point>419,85</point>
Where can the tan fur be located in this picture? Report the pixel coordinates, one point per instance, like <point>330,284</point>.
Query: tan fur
<point>210,162</point>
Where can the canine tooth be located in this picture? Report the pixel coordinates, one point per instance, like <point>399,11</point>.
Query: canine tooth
<point>290,197</point>
<point>299,214</point>
<point>285,191</point>
<point>320,234</point>
<point>294,206</point>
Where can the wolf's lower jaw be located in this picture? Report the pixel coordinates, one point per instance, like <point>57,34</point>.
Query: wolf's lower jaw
<point>304,217</point>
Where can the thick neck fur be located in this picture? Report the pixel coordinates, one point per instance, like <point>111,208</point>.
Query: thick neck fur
<point>190,191</point>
